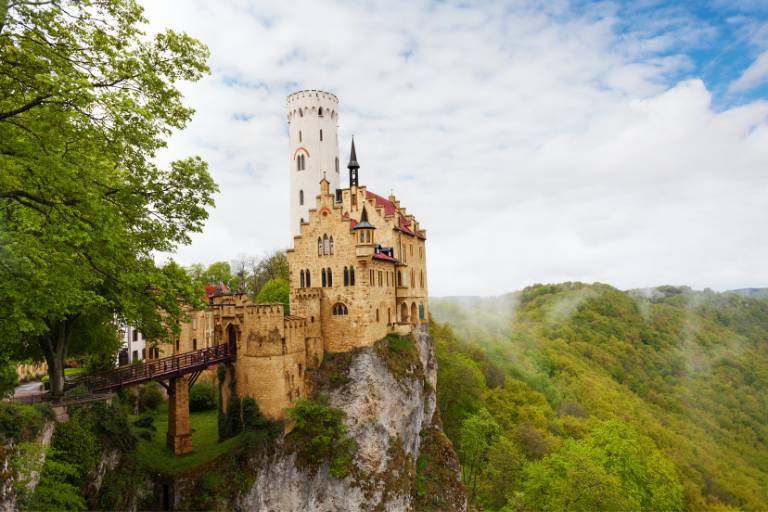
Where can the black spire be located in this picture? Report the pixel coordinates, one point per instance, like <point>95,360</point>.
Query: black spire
<point>364,224</point>
<point>353,166</point>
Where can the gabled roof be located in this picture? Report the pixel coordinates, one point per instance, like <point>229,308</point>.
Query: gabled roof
<point>380,202</point>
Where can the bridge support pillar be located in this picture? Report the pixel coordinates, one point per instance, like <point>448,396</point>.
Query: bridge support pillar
<point>179,438</point>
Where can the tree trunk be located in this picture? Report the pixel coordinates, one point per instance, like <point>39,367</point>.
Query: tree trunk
<point>55,344</point>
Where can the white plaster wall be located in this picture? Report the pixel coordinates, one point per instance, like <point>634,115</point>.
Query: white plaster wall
<point>320,156</point>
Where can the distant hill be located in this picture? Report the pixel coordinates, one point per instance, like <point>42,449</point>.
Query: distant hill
<point>683,372</point>
<point>755,293</point>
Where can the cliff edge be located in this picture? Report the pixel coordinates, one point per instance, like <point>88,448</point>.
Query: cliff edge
<point>402,461</point>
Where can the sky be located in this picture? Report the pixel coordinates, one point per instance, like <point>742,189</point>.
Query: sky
<point>619,142</point>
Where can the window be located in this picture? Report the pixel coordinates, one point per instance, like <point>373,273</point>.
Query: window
<point>320,112</point>
<point>301,197</point>
<point>177,345</point>
<point>330,277</point>
<point>371,280</point>
<point>399,278</point>
<point>301,113</point>
<point>351,276</point>
<point>321,135</point>
<point>421,278</point>
<point>362,237</point>
<point>377,314</point>
<point>299,135</point>
<point>300,163</point>
<point>340,309</point>
<point>389,316</point>
<point>136,354</point>
<point>322,272</point>
<point>319,246</point>
<point>367,236</point>
<point>325,245</point>
<point>346,276</point>
<point>306,276</point>
<point>421,311</point>
<point>135,335</point>
<point>194,344</point>
<point>381,278</point>
<point>301,279</point>
<point>331,246</point>
<point>301,220</point>
<point>337,165</point>
<point>387,279</point>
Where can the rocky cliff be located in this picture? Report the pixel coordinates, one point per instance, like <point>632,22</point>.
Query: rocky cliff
<point>389,401</point>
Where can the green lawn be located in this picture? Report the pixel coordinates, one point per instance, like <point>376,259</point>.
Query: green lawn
<point>68,372</point>
<point>156,456</point>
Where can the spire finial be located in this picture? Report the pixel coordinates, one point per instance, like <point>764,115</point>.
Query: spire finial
<point>353,166</point>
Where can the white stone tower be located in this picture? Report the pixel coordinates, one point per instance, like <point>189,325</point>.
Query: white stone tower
<point>314,149</point>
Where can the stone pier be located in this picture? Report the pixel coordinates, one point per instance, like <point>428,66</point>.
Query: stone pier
<point>179,438</point>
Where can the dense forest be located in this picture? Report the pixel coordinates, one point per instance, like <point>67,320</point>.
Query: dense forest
<point>584,397</point>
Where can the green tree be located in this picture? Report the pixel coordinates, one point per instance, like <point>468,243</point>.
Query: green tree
<point>275,290</point>
<point>478,433</point>
<point>272,266</point>
<point>86,101</point>
<point>502,475</point>
<point>459,391</point>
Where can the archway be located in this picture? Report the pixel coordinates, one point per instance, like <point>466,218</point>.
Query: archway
<point>404,312</point>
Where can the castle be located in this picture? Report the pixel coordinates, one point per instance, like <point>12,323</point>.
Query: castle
<point>357,272</point>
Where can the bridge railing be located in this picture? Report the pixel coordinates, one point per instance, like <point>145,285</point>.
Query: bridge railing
<point>156,369</point>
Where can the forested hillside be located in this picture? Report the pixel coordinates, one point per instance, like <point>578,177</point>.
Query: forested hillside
<point>584,397</point>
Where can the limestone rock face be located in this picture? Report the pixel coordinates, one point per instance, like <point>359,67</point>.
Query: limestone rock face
<point>386,413</point>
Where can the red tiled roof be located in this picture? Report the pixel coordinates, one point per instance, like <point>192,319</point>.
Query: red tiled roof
<point>380,202</point>
<point>383,257</point>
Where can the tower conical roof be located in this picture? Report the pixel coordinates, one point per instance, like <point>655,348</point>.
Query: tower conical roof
<point>353,157</point>
<point>364,224</point>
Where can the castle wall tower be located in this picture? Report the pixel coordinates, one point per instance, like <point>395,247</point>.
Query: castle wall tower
<point>314,150</point>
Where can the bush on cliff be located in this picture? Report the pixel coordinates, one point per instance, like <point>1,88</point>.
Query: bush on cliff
<point>319,436</point>
<point>202,397</point>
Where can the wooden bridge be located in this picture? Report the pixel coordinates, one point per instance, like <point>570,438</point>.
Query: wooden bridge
<point>160,370</point>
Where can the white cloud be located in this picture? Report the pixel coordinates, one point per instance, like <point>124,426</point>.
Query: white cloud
<point>756,74</point>
<point>534,143</point>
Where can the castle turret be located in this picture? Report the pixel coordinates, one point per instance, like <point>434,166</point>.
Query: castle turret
<point>314,150</point>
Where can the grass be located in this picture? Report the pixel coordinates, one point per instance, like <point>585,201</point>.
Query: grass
<point>68,372</point>
<point>155,455</point>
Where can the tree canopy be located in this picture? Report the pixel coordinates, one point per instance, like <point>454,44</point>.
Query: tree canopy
<point>87,100</point>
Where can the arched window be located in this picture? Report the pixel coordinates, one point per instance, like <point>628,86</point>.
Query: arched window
<point>301,279</point>
<point>299,135</point>
<point>413,280</point>
<point>306,274</point>
<point>421,278</point>
<point>321,135</point>
<point>346,276</point>
<point>323,277</point>
<point>331,246</point>
<point>330,277</point>
<point>301,220</point>
<point>399,278</point>
<point>404,312</point>
<point>371,283</point>
<point>340,309</point>
<point>298,163</point>
<point>337,165</point>
<point>421,311</point>
<point>326,245</point>
<point>377,314</point>
<point>320,112</point>
<point>367,236</point>
<point>301,197</point>
<point>319,246</point>
<point>301,113</point>
<point>351,276</point>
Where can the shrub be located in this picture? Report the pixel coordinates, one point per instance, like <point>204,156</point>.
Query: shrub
<point>108,422</point>
<point>72,444</point>
<point>252,417</point>
<point>320,436</point>
<point>8,377</point>
<point>55,491</point>
<point>234,424</point>
<point>202,397</point>
<point>147,435</point>
<point>20,422</point>
<point>145,421</point>
<point>150,397</point>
